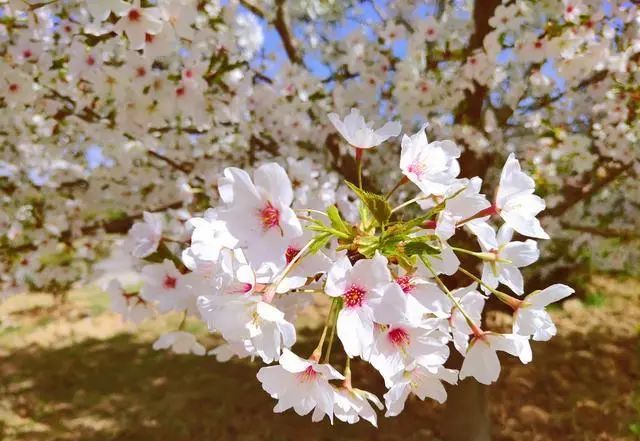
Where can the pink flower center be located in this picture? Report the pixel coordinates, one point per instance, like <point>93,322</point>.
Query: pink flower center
<point>148,38</point>
<point>405,284</point>
<point>308,375</point>
<point>398,337</point>
<point>134,15</point>
<point>242,288</point>
<point>13,87</point>
<point>141,71</point>
<point>417,168</point>
<point>91,61</point>
<point>270,217</point>
<point>27,53</point>
<point>291,253</point>
<point>169,282</point>
<point>354,296</point>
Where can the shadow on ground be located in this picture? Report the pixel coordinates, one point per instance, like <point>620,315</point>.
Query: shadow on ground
<point>118,389</point>
<point>581,386</point>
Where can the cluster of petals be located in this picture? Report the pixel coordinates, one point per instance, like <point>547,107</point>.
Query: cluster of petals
<point>247,272</point>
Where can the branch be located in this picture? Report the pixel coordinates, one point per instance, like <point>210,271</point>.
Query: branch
<point>113,226</point>
<point>185,167</point>
<point>281,24</point>
<point>471,109</point>
<point>545,101</point>
<point>253,8</point>
<point>574,195</point>
<point>603,232</point>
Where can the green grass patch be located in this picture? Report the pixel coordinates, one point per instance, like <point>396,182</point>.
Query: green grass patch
<point>595,299</point>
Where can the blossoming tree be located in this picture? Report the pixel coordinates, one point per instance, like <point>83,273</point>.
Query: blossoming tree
<point>133,115</point>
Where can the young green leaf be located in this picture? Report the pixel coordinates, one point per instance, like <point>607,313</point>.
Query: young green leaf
<point>376,203</point>
<point>319,242</point>
<point>336,220</point>
<point>419,248</point>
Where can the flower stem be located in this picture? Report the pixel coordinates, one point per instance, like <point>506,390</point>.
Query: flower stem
<point>409,202</point>
<point>503,297</point>
<point>489,211</point>
<point>317,353</point>
<point>359,154</point>
<point>271,290</point>
<point>311,210</point>
<point>490,257</point>
<point>475,328</point>
<point>400,183</point>
<point>333,321</point>
<point>183,321</point>
<point>347,374</point>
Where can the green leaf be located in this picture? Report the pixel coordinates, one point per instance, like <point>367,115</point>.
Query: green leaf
<point>319,242</point>
<point>376,203</point>
<point>367,245</point>
<point>419,248</point>
<point>406,262</point>
<point>321,228</point>
<point>336,220</point>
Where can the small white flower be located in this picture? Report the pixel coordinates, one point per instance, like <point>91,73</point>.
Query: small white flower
<point>509,256</point>
<point>516,203</point>
<point>240,316</point>
<point>101,9</point>
<point>166,287</point>
<point>179,342</point>
<point>259,214</point>
<point>352,404</point>
<point>180,15</point>
<point>361,135</point>
<point>144,237</point>
<point>402,337</point>
<point>300,384</point>
<point>433,167</point>
<point>130,305</point>
<point>16,88</point>
<point>422,381</point>
<point>531,319</point>
<point>209,237</point>
<point>361,286</point>
<point>481,360</point>
<point>463,199</point>
<point>227,351</point>
<point>309,266</point>
<point>136,23</point>
<point>452,320</point>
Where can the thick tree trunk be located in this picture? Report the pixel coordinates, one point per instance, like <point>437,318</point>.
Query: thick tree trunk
<point>467,413</point>
<point>467,408</point>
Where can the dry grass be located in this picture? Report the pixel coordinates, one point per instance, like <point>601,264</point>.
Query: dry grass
<point>78,373</point>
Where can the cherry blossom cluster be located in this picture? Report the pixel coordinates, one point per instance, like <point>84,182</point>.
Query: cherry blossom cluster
<point>393,280</point>
<point>117,107</point>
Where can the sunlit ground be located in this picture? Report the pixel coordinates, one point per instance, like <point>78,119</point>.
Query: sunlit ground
<point>76,372</point>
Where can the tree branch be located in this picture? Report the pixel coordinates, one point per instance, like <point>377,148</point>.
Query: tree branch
<point>184,167</point>
<point>281,24</point>
<point>576,194</point>
<point>603,231</point>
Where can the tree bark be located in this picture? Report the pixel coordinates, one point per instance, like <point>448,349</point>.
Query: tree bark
<point>467,407</point>
<point>467,413</point>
